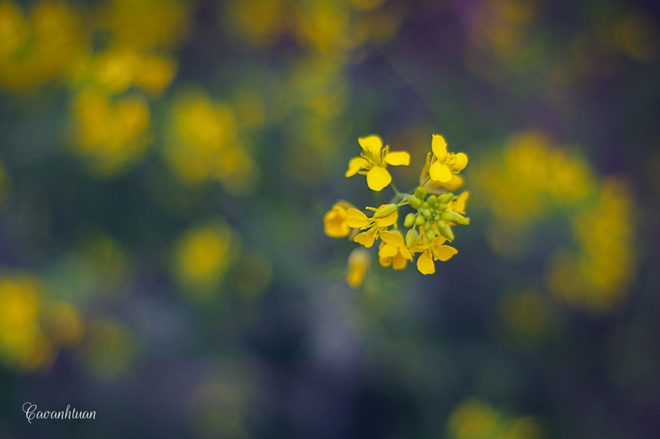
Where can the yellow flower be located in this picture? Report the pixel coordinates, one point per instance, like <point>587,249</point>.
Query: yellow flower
<point>335,220</point>
<point>432,251</point>
<point>203,255</point>
<point>443,165</point>
<point>393,250</point>
<point>385,216</point>
<point>458,205</point>
<point>373,162</point>
<point>358,264</point>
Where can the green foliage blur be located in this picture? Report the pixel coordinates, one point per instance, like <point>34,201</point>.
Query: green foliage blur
<point>165,166</point>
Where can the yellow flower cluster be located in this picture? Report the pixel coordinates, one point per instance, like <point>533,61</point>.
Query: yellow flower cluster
<point>46,45</point>
<point>477,419</point>
<point>204,143</point>
<point>319,25</point>
<point>435,211</point>
<point>32,328</point>
<point>113,56</point>
<point>111,114</point>
<point>597,275</point>
<point>532,179</point>
<point>202,256</point>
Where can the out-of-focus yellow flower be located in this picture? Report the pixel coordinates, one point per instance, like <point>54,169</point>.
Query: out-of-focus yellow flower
<point>118,69</point>
<point>204,144</point>
<point>49,46</point>
<point>262,29</point>
<point>477,419</point>
<point>373,162</point>
<point>597,276</point>
<point>473,419</point>
<point>325,26</point>
<point>23,343</point>
<point>359,262</point>
<point>335,221</point>
<point>203,255</point>
<point>65,324</point>
<point>385,216</point>
<point>393,250</point>
<point>531,177</point>
<point>443,164</point>
<point>111,133</point>
<point>146,24</point>
<point>19,325</point>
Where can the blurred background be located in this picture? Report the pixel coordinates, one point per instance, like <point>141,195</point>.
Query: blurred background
<point>165,167</point>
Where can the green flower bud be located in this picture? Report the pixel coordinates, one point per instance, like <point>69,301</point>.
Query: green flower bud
<point>427,225</point>
<point>445,198</point>
<point>385,211</point>
<point>419,220</point>
<point>450,215</point>
<point>410,220</point>
<point>414,202</point>
<point>432,199</point>
<point>426,213</point>
<point>436,218</point>
<point>420,193</point>
<point>445,230</point>
<point>411,238</point>
<point>430,234</point>
<point>441,207</point>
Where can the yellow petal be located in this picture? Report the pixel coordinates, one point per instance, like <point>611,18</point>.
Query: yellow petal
<point>405,253</point>
<point>425,264</point>
<point>398,158</point>
<point>459,204</point>
<point>399,262</point>
<point>388,220</point>
<point>453,184</point>
<point>445,252</point>
<point>378,178</point>
<point>355,165</point>
<point>372,144</point>
<point>335,223</point>
<point>439,146</point>
<point>358,264</point>
<point>440,172</point>
<point>386,251</point>
<point>385,262</point>
<point>356,219</point>
<point>438,241</point>
<point>365,238</point>
<point>394,239</point>
<point>460,161</point>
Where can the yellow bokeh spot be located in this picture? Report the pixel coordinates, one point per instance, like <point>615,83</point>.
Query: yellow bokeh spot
<point>204,144</point>
<point>111,134</point>
<point>203,255</point>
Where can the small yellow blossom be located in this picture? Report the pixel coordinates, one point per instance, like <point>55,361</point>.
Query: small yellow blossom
<point>334,221</point>
<point>393,250</point>
<point>203,255</point>
<point>432,251</point>
<point>374,160</point>
<point>358,264</point>
<point>385,216</point>
<point>444,165</point>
